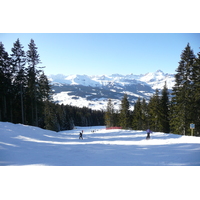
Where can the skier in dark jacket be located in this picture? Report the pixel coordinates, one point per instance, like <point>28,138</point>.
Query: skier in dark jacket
<point>81,135</point>
<point>148,133</point>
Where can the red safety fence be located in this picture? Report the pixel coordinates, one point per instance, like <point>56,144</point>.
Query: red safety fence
<point>113,128</point>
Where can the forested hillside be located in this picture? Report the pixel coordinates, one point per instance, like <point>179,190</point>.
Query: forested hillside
<point>26,94</point>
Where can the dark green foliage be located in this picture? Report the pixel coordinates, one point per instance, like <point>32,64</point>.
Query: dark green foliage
<point>19,80</point>
<point>5,84</point>
<point>65,117</point>
<point>125,113</point>
<point>184,99</point>
<point>50,117</point>
<point>196,93</point>
<point>154,112</point>
<point>33,83</point>
<point>109,115</point>
<point>154,115</point>
<point>164,108</point>
<point>137,116</point>
<point>140,115</point>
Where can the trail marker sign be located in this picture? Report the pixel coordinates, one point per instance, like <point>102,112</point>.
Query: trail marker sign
<point>192,127</point>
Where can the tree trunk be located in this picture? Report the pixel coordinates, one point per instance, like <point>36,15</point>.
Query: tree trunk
<point>5,109</point>
<point>22,104</point>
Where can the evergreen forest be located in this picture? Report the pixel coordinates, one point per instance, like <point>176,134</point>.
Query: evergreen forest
<point>165,112</point>
<point>26,94</point>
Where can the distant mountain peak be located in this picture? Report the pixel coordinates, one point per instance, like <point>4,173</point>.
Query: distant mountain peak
<point>159,71</point>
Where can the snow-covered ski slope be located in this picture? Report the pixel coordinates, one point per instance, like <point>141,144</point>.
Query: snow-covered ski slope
<point>28,145</point>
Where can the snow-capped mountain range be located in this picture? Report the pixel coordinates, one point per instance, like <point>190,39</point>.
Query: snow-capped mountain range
<point>94,91</point>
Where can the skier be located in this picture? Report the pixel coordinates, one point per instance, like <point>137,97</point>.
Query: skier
<point>148,134</point>
<point>81,135</point>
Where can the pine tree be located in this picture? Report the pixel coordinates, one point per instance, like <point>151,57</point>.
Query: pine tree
<point>125,113</point>
<point>5,84</point>
<point>137,115</point>
<point>33,60</point>
<point>109,115</point>
<point>116,118</point>
<point>51,119</point>
<point>45,89</point>
<point>18,62</point>
<point>154,112</point>
<point>144,115</point>
<point>140,115</point>
<point>182,101</point>
<point>195,76</point>
<point>165,110</point>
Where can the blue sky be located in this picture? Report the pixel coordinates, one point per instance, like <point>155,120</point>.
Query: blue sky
<point>106,53</point>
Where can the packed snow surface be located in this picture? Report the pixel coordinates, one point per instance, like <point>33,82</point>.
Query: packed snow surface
<point>28,145</point>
